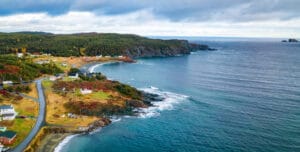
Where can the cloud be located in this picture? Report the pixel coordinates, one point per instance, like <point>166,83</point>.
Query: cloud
<point>144,23</point>
<point>271,18</point>
<point>173,10</point>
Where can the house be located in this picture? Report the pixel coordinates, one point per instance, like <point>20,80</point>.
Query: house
<point>7,82</point>
<point>71,115</point>
<point>7,112</point>
<point>64,64</point>
<point>2,129</point>
<point>56,77</point>
<point>85,91</point>
<point>7,137</point>
<point>74,75</point>
<point>99,56</point>
<point>19,55</point>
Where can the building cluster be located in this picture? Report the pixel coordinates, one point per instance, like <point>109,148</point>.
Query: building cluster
<point>7,113</point>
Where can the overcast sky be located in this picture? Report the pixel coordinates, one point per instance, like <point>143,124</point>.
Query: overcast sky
<point>245,18</point>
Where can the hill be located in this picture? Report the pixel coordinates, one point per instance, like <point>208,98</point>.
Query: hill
<point>15,69</point>
<point>91,44</point>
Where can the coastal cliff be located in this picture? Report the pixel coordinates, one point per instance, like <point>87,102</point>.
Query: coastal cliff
<point>94,44</point>
<point>183,47</point>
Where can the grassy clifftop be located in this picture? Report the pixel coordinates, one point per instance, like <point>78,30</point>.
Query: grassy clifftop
<point>91,44</point>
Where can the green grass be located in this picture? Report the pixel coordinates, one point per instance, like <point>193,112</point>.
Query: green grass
<point>22,127</point>
<point>99,95</point>
<point>64,68</point>
<point>47,84</point>
<point>68,79</point>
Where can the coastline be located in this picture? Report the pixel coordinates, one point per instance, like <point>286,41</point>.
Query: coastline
<point>55,141</point>
<point>90,67</point>
<point>161,101</point>
<point>52,142</point>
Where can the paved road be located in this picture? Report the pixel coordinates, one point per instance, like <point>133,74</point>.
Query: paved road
<point>39,120</point>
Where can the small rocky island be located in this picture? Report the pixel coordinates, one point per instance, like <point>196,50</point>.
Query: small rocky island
<point>290,40</point>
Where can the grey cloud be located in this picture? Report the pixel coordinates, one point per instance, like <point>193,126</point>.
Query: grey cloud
<point>174,10</point>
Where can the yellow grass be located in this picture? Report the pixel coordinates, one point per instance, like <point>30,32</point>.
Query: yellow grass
<point>75,61</point>
<point>33,92</point>
<point>57,114</point>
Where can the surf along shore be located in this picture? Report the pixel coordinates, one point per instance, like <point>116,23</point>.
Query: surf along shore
<point>62,123</point>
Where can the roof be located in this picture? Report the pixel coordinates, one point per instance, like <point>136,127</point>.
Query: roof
<point>6,107</point>
<point>8,134</point>
<point>3,128</point>
<point>8,115</point>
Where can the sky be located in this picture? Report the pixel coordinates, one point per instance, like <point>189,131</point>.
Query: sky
<point>229,18</point>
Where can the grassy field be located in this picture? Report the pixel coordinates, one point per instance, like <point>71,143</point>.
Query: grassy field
<point>33,92</point>
<point>100,95</point>
<point>68,79</point>
<point>57,114</point>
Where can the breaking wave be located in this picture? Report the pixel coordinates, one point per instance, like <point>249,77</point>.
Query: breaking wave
<point>169,100</point>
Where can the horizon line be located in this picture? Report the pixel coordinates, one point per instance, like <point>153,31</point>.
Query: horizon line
<point>186,36</point>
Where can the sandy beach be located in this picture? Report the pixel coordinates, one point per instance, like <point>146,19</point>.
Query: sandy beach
<point>51,141</point>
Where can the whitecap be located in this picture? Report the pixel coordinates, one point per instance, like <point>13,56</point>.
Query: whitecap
<point>154,88</point>
<point>170,99</point>
<point>115,119</point>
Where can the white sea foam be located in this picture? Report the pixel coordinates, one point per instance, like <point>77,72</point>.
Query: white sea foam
<point>115,119</point>
<point>92,68</point>
<point>170,99</point>
<point>154,88</point>
<point>63,143</point>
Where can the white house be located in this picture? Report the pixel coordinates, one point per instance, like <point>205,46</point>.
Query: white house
<point>7,112</point>
<point>64,64</point>
<point>19,55</point>
<point>7,82</point>
<point>85,91</point>
<point>99,56</point>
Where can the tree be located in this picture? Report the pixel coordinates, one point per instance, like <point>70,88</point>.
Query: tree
<point>73,71</point>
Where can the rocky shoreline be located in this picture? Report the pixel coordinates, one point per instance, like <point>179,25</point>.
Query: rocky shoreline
<point>60,133</point>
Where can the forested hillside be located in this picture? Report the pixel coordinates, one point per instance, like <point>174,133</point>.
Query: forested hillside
<point>15,69</point>
<point>91,44</point>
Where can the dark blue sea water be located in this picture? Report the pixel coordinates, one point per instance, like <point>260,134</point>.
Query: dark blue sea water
<point>243,97</point>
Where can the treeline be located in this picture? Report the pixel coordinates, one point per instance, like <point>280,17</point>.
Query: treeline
<point>17,69</point>
<point>89,44</point>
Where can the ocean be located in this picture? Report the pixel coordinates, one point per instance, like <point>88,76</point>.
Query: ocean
<point>243,97</point>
